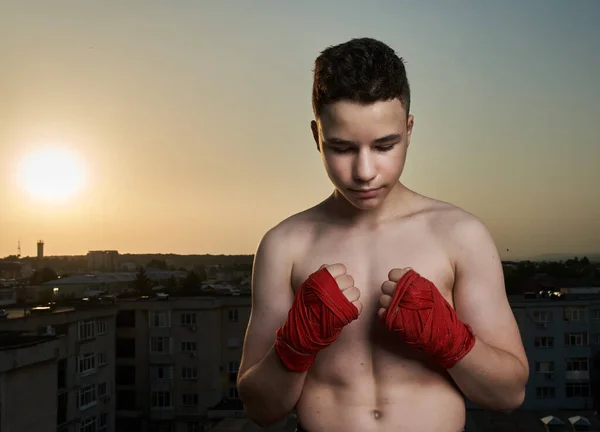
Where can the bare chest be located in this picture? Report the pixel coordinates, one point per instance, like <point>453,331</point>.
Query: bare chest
<point>369,258</point>
<point>365,345</point>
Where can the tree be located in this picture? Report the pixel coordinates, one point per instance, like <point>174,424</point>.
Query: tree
<point>191,284</point>
<point>158,264</point>
<point>201,273</point>
<point>142,283</point>
<point>43,275</point>
<point>171,285</point>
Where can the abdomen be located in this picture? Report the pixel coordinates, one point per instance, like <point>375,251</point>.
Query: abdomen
<point>369,383</point>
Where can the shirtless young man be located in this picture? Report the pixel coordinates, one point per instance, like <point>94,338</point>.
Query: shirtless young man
<point>320,338</point>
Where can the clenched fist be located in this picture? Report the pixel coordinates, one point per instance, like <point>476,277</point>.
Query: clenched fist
<point>388,288</point>
<point>346,283</point>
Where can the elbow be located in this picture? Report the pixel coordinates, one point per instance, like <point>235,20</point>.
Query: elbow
<point>513,403</point>
<point>506,403</point>
<point>261,420</point>
<point>263,413</point>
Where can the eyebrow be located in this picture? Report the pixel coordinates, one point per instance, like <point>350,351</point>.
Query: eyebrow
<point>381,140</point>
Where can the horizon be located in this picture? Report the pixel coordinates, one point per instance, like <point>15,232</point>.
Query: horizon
<point>158,128</point>
<point>548,257</point>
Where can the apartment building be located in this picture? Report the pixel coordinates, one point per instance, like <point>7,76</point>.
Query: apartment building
<point>561,335</point>
<point>177,361</point>
<point>81,371</point>
<point>28,377</point>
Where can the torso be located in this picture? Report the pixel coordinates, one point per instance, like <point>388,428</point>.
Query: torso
<point>366,380</point>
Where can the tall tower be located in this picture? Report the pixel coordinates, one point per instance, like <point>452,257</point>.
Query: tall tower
<point>40,250</point>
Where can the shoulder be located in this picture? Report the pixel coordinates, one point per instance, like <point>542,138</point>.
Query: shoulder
<point>458,229</point>
<point>290,237</point>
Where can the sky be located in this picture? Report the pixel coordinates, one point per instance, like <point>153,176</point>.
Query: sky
<point>191,120</point>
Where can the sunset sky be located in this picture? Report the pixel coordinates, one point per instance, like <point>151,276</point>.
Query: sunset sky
<point>189,120</point>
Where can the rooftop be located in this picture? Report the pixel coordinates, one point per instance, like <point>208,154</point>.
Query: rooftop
<point>12,340</point>
<point>114,277</point>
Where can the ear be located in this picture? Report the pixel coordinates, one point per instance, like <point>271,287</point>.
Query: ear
<point>409,128</point>
<point>315,131</point>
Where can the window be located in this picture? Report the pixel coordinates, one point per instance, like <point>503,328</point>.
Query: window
<point>86,363</point>
<point>545,392</point>
<point>544,367</point>
<point>578,364</point>
<point>86,397</point>
<point>101,327</point>
<point>88,425</point>
<point>595,314</point>
<point>125,347</point>
<point>544,342</point>
<point>542,317</point>
<point>159,345</point>
<point>102,389</point>
<point>578,390</point>
<point>574,314</point>
<point>233,315</point>
<point>125,375</point>
<point>161,399</point>
<point>193,427</point>
<point>126,318</point>
<point>188,319</point>
<point>126,399</point>
<point>576,339</point>
<point>188,346</point>
<point>160,319</point>
<point>101,358</point>
<point>102,422</point>
<point>162,373</point>
<point>190,399</point>
<point>86,329</point>
<point>189,372</point>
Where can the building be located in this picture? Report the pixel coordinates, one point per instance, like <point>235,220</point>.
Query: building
<point>104,260</point>
<point>561,335</point>
<point>89,285</point>
<point>177,362</point>
<point>8,294</point>
<point>28,361</point>
<point>80,370</point>
<point>10,270</point>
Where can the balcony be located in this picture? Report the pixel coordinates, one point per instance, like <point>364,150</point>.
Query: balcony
<point>577,375</point>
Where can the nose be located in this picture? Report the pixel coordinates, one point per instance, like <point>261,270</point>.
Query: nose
<point>364,167</point>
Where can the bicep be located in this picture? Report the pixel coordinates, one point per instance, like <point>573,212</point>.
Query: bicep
<point>272,298</point>
<point>479,292</point>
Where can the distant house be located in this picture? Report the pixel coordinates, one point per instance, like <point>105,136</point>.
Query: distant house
<point>80,286</point>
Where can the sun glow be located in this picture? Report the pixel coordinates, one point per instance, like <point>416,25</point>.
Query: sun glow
<point>52,174</point>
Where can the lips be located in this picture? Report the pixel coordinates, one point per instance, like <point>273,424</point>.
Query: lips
<point>366,193</point>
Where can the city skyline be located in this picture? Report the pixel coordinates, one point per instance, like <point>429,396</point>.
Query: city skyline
<point>190,122</point>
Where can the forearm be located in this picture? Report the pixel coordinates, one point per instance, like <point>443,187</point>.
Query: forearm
<point>491,378</point>
<point>269,391</point>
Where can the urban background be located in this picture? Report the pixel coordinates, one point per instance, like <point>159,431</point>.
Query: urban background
<point>110,342</point>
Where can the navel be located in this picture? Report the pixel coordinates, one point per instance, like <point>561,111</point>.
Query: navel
<point>376,414</point>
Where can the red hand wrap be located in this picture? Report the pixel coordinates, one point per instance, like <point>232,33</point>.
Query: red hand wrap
<point>427,322</point>
<point>319,313</point>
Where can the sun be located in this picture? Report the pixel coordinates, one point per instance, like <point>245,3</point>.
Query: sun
<point>52,174</point>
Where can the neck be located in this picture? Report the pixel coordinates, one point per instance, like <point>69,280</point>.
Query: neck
<point>346,213</point>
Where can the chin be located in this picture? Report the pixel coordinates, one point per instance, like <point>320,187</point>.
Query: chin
<point>366,204</point>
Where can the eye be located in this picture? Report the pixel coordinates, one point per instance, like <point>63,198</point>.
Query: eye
<point>341,149</point>
<point>386,148</point>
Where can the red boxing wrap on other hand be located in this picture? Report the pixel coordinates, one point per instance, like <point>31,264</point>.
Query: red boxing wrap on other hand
<point>427,322</point>
<point>319,313</point>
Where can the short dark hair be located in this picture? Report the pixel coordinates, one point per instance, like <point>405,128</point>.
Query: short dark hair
<point>362,70</point>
